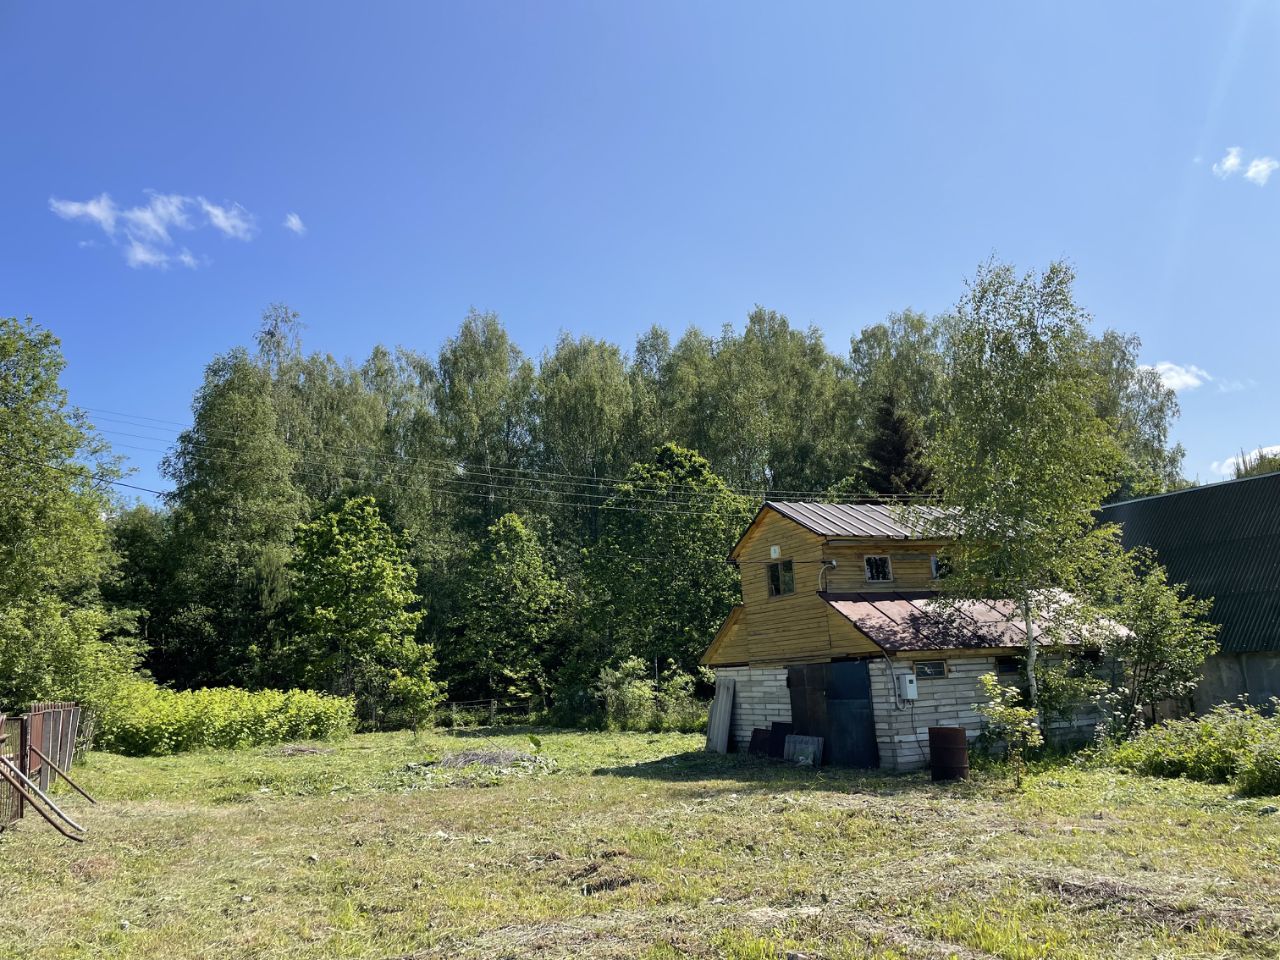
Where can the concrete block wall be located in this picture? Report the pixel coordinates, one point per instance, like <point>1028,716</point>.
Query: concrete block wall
<point>760,697</point>
<point>902,735</point>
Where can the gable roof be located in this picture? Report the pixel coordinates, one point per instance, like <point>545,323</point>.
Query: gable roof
<point>1223,541</point>
<point>881,521</point>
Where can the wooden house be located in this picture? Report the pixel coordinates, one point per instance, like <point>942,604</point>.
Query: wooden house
<point>838,635</point>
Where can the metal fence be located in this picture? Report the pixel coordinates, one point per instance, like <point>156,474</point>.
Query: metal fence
<point>39,744</point>
<point>12,748</point>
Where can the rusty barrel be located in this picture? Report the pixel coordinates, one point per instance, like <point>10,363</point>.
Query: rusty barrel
<point>948,753</point>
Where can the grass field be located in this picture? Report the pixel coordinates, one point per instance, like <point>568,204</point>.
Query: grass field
<point>626,845</point>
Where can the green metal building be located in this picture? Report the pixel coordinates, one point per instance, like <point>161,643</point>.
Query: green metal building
<point>1223,541</point>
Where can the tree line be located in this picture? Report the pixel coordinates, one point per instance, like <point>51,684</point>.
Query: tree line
<point>498,525</point>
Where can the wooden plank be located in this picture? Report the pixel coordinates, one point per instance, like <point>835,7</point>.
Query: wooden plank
<point>721,716</point>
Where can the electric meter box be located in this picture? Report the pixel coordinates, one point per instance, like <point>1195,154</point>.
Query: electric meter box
<point>907,687</point>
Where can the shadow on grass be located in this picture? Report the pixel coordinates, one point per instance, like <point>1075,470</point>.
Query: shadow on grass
<point>741,773</point>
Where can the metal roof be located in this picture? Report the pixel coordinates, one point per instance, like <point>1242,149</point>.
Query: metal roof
<point>1223,541</point>
<point>898,622</point>
<point>888,521</point>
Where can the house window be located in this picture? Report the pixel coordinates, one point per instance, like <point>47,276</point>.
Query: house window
<point>939,567</point>
<point>931,669</point>
<point>782,579</point>
<point>1008,666</point>
<point>879,570</point>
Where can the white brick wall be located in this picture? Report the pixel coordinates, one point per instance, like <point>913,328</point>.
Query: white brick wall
<point>760,697</point>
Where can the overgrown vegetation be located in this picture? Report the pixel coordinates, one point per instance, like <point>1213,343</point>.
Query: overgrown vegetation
<point>631,845</point>
<point>1233,743</point>
<point>146,720</point>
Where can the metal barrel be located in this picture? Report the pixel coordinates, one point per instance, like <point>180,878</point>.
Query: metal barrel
<point>948,753</point>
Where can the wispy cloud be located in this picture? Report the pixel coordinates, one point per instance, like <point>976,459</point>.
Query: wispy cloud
<point>100,210</point>
<point>1236,386</point>
<point>1258,170</point>
<point>1261,169</point>
<point>1228,466</point>
<point>1229,164</point>
<point>1178,377</point>
<point>294,222</point>
<point>145,233</point>
<point>233,220</point>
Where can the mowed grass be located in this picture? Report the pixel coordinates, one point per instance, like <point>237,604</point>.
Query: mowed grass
<point>634,846</point>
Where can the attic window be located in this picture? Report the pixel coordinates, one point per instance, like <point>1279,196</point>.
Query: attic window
<point>939,567</point>
<point>879,570</point>
<point>782,579</point>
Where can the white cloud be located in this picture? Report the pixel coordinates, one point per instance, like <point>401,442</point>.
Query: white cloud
<point>233,221</point>
<point>153,221</point>
<point>1236,386</point>
<point>145,233</point>
<point>294,222</point>
<point>101,210</point>
<point>1228,466</point>
<point>1177,376</point>
<point>1229,164</point>
<point>138,253</point>
<point>1261,169</point>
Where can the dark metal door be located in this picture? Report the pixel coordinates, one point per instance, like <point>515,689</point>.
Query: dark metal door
<point>851,729</point>
<point>808,688</point>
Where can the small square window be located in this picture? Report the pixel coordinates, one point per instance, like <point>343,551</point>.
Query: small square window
<point>939,567</point>
<point>931,669</point>
<point>879,570</point>
<point>782,579</point>
<point>1008,666</point>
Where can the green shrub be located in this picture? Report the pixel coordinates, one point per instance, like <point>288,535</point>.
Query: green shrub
<point>147,720</point>
<point>1231,743</point>
<point>630,698</point>
<point>1260,768</point>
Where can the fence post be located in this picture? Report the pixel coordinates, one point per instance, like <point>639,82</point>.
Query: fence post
<point>493,713</point>
<point>453,716</point>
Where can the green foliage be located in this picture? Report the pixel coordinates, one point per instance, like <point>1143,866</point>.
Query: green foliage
<point>356,623</point>
<point>1232,742</point>
<point>143,719</point>
<point>51,650</point>
<point>1008,722</point>
<point>659,585</point>
<point>511,611</point>
<point>1259,773</point>
<point>1254,463</point>
<point>1023,461</point>
<point>54,547</point>
<point>235,508</point>
<point>1169,639</point>
<point>631,699</point>
<point>894,463</point>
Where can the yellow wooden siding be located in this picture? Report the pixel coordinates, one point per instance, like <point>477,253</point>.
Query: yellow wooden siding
<point>909,561</point>
<point>730,644</point>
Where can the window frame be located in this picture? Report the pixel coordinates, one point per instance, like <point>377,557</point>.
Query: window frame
<point>1005,662</point>
<point>946,670</point>
<point>936,564</point>
<point>866,568</point>
<point>786,571</point>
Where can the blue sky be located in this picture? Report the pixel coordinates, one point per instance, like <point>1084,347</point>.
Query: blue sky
<point>600,167</point>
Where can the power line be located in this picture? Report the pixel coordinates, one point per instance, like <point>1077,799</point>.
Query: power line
<point>92,476</point>
<point>601,483</point>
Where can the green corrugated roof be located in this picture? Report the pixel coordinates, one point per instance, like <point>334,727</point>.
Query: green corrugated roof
<point>1223,541</point>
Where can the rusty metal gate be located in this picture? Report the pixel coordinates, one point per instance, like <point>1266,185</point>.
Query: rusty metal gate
<point>37,748</point>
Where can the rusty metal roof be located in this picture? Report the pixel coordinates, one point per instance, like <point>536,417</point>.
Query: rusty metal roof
<point>887,521</point>
<point>912,622</point>
<point>1223,541</point>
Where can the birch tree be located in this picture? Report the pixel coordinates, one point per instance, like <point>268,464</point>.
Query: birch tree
<point>1022,460</point>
